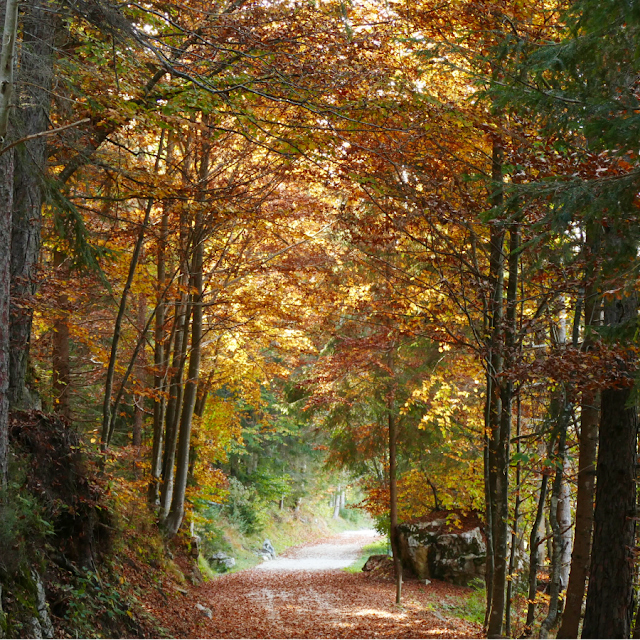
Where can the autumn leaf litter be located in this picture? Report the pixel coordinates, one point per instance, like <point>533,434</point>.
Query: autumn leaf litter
<point>287,601</point>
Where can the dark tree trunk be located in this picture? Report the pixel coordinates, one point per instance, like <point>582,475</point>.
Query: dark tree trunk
<point>609,597</point>
<point>6,198</point>
<point>31,117</point>
<point>499,416</point>
<point>10,11</point>
<point>502,457</point>
<point>534,555</point>
<point>393,504</point>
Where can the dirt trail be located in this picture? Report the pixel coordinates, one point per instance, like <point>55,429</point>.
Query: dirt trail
<point>338,552</point>
<point>304,594</point>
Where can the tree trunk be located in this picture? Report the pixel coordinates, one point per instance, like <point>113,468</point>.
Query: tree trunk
<point>336,504</point>
<point>586,465</point>
<point>174,407</point>
<point>565,523</point>
<point>6,206</point>
<point>31,117</point>
<point>516,522</point>
<point>174,519</point>
<point>610,593</point>
<point>609,597</point>
<point>560,415</point>
<point>501,512</point>
<point>6,198</point>
<point>534,556</point>
<point>493,406</point>
<point>393,504</point>
<point>138,400</point>
<point>61,368</point>
<point>584,516</point>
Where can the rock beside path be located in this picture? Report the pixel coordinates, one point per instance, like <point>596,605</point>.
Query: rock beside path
<point>444,546</point>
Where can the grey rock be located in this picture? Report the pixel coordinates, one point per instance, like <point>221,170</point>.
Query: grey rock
<point>35,628</point>
<point>205,611</point>
<point>221,561</point>
<point>268,550</point>
<point>457,558</point>
<point>46,627</point>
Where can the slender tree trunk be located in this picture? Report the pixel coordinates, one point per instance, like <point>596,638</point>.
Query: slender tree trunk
<point>534,555</point>
<point>161,352</point>
<point>138,400</point>
<point>61,368</point>
<point>6,198</point>
<point>31,117</point>
<point>336,504</point>
<point>566,526</point>
<point>488,501</point>
<point>393,503</point>
<point>501,512</point>
<point>174,519</point>
<point>107,421</point>
<point>516,523</point>
<point>494,513</point>
<point>584,516</point>
<point>610,594</point>
<point>561,415</point>
<point>174,407</point>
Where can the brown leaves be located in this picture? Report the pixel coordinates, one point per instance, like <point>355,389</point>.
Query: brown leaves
<point>333,604</point>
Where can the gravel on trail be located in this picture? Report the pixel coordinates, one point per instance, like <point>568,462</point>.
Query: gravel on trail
<point>305,594</point>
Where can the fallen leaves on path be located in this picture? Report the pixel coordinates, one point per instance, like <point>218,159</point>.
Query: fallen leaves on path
<point>312,604</point>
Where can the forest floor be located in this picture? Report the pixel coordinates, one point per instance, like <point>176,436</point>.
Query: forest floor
<point>306,594</point>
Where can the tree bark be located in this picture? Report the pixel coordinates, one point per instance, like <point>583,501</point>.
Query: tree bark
<point>534,555</point>
<point>6,198</point>
<point>31,117</point>
<point>586,464</point>
<point>393,506</point>
<point>6,206</point>
<point>584,516</point>
<point>174,519</point>
<point>560,415</point>
<point>174,406</point>
<point>516,522</point>
<point>159,357</point>
<point>501,541</point>
<point>610,594</point>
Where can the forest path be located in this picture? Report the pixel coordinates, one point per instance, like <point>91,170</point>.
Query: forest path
<point>305,594</point>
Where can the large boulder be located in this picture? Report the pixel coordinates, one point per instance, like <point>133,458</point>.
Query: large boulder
<point>448,546</point>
